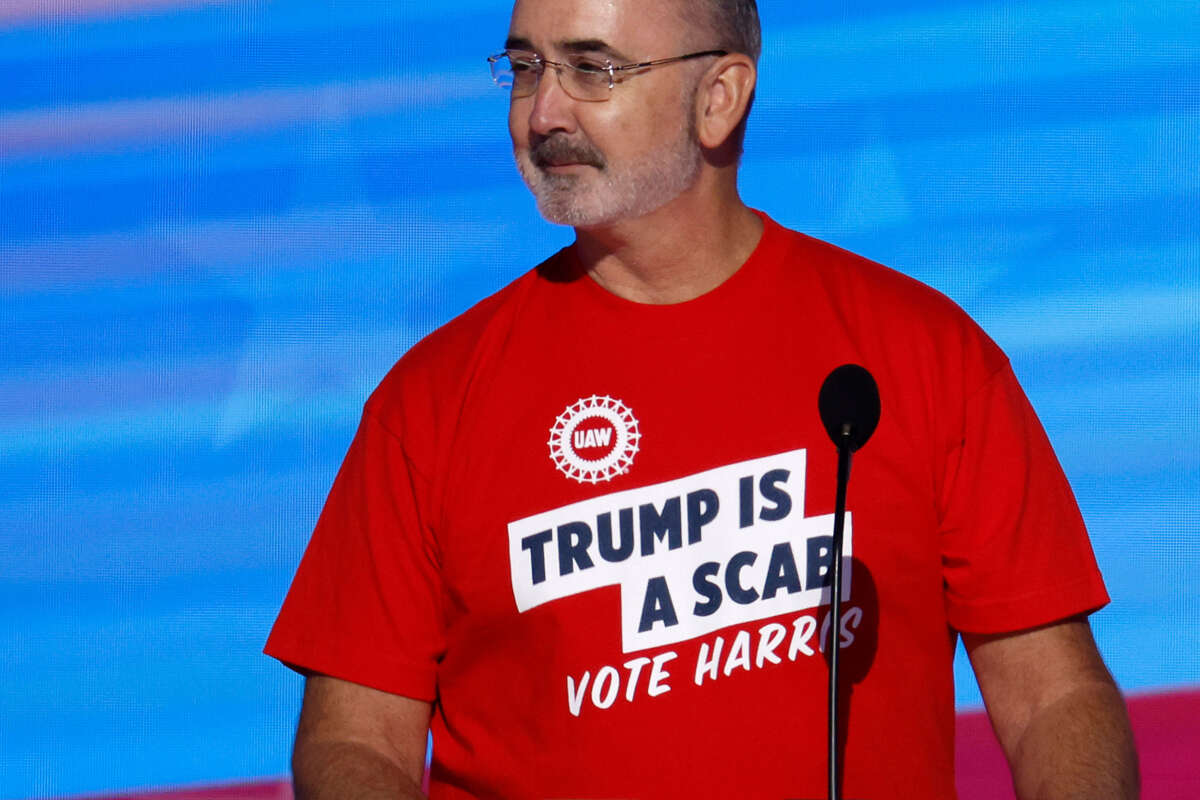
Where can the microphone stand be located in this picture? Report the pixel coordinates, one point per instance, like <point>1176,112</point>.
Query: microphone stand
<point>835,606</point>
<point>849,406</point>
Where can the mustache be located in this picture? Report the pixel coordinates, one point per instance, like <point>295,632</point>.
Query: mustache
<point>547,151</point>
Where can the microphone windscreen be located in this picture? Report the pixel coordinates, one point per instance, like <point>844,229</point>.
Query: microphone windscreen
<point>849,397</point>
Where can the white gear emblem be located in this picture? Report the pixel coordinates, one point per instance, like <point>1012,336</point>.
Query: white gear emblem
<point>605,429</point>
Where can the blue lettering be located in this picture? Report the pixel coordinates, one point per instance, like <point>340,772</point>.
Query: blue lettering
<point>733,586</point>
<point>746,498</point>
<point>781,572</point>
<point>574,539</point>
<point>536,545</point>
<point>820,558</point>
<point>702,507</point>
<point>665,526</point>
<point>609,550</point>
<point>657,606</point>
<point>769,486</point>
<point>703,580</point>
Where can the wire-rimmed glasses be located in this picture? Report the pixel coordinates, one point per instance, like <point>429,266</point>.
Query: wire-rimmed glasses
<point>583,78</point>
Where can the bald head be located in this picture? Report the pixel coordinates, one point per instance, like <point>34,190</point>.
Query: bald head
<point>725,24</point>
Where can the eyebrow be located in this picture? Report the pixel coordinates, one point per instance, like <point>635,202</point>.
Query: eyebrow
<point>593,46</point>
<point>518,43</point>
<point>574,46</point>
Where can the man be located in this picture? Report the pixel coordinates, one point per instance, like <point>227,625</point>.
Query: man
<point>582,532</point>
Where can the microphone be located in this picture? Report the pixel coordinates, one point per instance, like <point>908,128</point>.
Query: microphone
<point>849,406</point>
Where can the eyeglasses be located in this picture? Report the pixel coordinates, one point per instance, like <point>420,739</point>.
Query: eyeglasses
<point>583,78</point>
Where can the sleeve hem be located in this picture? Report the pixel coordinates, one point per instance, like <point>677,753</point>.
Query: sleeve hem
<point>385,675</point>
<point>1043,607</point>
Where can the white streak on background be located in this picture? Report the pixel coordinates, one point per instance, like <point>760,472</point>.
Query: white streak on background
<point>194,422</point>
<point>264,521</point>
<point>24,12</point>
<point>380,240</point>
<point>1075,165</point>
<point>466,22</point>
<point>100,126</point>
<point>1090,318</point>
<point>1036,167</point>
<point>1111,427</point>
<point>315,344</point>
<point>969,46</point>
<point>878,57</point>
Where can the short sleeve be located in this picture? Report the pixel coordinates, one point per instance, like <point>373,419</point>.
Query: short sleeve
<point>1015,551</point>
<point>366,602</point>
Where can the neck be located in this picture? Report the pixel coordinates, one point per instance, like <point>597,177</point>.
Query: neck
<point>678,252</point>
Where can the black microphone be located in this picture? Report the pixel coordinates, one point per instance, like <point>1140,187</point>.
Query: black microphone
<point>849,406</point>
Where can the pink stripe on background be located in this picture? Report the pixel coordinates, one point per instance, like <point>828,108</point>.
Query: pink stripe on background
<point>1167,730</point>
<point>1166,727</point>
<point>17,12</point>
<point>278,789</point>
<point>981,773</point>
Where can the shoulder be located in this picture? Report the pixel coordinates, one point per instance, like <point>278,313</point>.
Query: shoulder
<point>440,366</point>
<point>928,356</point>
<point>849,277</point>
<point>888,312</point>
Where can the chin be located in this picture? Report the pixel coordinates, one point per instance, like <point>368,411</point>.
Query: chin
<point>575,215</point>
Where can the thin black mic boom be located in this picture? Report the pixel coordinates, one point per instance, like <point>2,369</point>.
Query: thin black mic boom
<point>849,406</point>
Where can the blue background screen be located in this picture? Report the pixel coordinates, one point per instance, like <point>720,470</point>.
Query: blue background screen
<point>222,222</point>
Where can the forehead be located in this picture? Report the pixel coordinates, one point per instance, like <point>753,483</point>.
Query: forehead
<point>635,28</point>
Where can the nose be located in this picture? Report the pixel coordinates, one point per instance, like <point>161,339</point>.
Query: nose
<point>553,108</point>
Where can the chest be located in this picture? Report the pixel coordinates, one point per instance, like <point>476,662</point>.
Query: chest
<point>691,471</point>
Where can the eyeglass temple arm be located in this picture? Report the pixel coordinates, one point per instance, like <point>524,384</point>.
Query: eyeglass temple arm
<point>656,62</point>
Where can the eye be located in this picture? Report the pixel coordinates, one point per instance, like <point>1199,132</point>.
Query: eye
<point>522,63</point>
<point>590,67</point>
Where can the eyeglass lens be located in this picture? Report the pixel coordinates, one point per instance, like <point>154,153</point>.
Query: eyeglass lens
<point>520,73</point>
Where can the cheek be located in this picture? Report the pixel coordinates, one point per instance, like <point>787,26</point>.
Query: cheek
<point>631,135</point>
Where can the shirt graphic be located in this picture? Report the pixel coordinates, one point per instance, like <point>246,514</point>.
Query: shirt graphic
<point>691,555</point>
<point>594,439</point>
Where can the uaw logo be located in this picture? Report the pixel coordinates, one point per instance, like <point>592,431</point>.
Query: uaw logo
<point>594,439</point>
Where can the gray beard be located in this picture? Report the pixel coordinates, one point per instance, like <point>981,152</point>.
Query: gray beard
<point>617,192</point>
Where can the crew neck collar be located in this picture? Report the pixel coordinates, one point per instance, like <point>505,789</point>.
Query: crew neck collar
<point>770,244</point>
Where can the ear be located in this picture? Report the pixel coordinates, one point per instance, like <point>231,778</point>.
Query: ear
<point>724,98</point>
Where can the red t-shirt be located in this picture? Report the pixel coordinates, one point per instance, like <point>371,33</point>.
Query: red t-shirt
<point>595,534</point>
